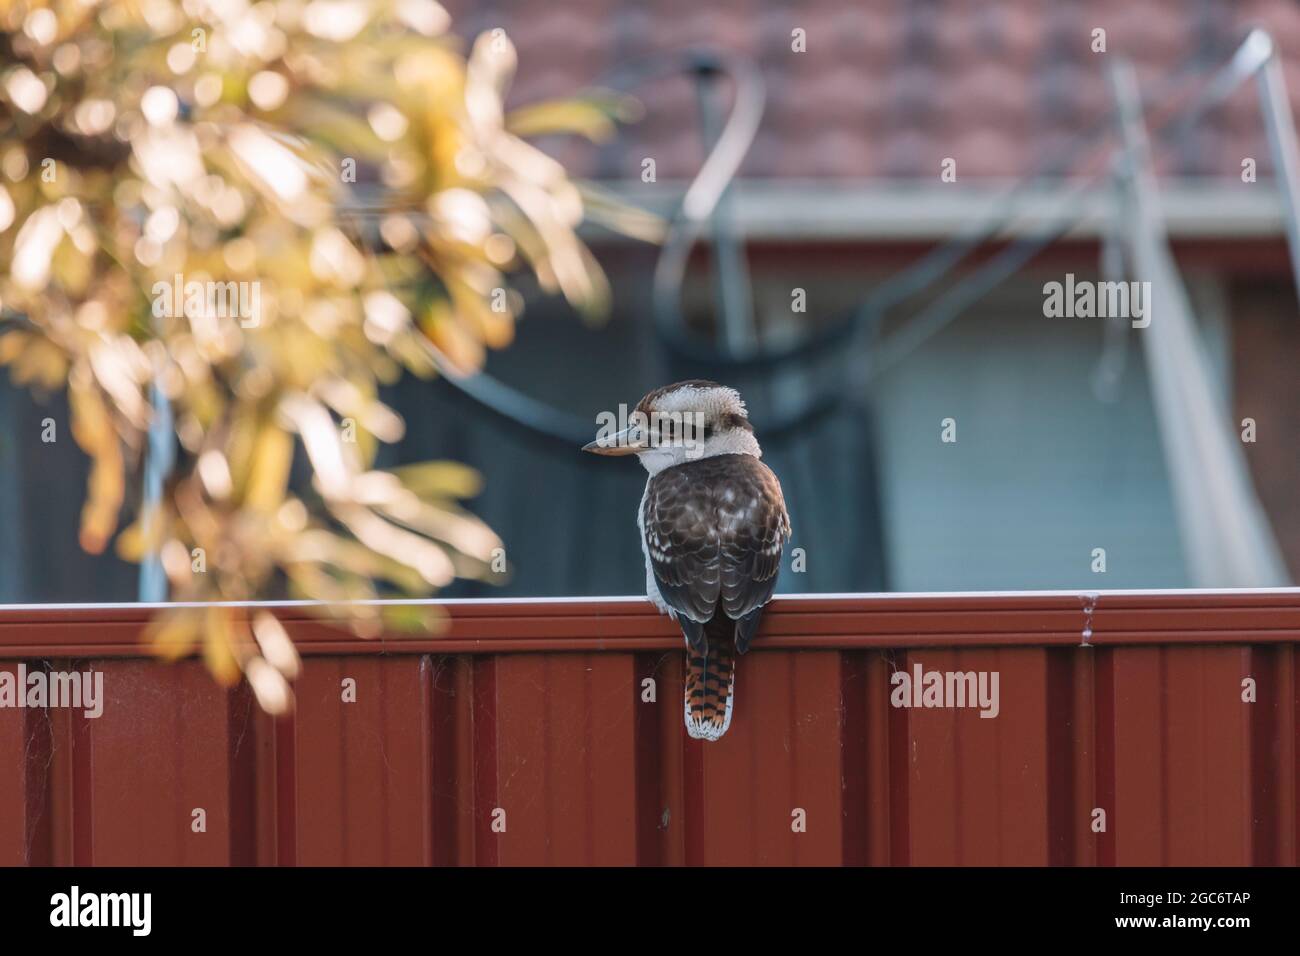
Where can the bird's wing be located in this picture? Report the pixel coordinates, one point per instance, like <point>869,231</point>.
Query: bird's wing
<point>753,529</point>
<point>682,543</point>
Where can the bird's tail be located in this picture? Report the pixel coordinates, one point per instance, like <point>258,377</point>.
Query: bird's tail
<point>711,680</point>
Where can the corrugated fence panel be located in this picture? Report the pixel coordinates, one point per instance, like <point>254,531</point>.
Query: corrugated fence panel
<point>171,730</point>
<point>565,764</point>
<point>1207,727</point>
<point>769,792</point>
<point>24,801</point>
<point>1275,771</point>
<point>1129,729</point>
<point>981,780</point>
<point>166,798</point>
<point>363,761</point>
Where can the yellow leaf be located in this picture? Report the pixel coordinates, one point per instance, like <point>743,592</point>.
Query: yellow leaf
<point>219,646</point>
<point>440,479</point>
<point>39,361</point>
<point>413,618</point>
<point>105,486</point>
<point>461,350</point>
<point>272,690</point>
<point>277,648</point>
<point>269,476</point>
<point>582,117</point>
<point>133,544</point>
<point>174,635</point>
<point>11,346</point>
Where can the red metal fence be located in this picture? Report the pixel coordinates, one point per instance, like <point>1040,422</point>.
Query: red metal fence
<point>531,715</point>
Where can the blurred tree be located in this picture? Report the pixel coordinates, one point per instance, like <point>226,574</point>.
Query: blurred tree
<point>246,217</point>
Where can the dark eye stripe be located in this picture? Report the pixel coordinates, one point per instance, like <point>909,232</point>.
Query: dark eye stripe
<point>669,429</point>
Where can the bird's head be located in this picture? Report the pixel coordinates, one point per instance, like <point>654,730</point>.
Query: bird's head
<point>679,423</point>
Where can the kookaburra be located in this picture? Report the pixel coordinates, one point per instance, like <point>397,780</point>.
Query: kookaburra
<point>713,524</point>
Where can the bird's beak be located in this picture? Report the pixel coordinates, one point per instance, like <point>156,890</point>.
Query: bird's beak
<point>626,442</point>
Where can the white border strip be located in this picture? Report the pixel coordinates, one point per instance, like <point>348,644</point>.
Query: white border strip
<point>637,599</point>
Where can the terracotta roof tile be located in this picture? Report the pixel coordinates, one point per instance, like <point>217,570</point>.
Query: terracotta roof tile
<point>886,86</point>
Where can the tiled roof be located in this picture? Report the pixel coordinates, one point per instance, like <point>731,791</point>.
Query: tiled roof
<point>888,88</point>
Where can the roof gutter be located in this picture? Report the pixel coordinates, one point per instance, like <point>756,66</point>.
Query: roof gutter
<point>891,209</point>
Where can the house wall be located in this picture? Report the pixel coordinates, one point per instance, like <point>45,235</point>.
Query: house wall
<point>1266,323</point>
<point>1043,472</point>
<point>1044,468</point>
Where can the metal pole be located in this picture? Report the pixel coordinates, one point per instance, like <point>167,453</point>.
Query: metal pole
<point>159,459</point>
<point>1226,535</point>
<point>1279,122</point>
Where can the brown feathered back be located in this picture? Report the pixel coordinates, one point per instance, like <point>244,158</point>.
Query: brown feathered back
<point>714,532</point>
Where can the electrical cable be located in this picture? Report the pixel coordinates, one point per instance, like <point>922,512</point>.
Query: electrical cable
<point>871,354</point>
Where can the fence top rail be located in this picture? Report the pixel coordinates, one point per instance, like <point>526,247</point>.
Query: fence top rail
<point>792,622</point>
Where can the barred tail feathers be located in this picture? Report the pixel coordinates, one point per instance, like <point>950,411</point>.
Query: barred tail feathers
<point>711,680</point>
